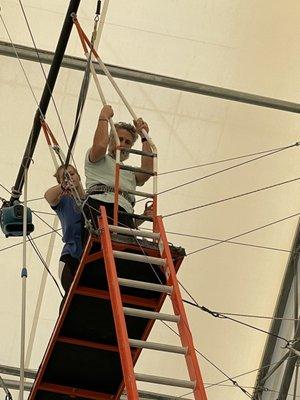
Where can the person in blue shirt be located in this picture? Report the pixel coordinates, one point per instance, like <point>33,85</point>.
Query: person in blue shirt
<point>63,203</point>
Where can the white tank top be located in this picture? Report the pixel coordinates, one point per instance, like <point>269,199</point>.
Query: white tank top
<point>103,171</point>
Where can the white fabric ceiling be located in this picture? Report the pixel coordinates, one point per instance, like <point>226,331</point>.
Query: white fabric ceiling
<point>248,46</point>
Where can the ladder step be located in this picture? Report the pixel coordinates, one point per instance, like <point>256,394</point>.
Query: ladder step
<point>136,216</point>
<point>145,395</point>
<point>136,312</point>
<point>140,152</point>
<point>161,380</point>
<point>157,346</point>
<point>141,194</point>
<point>155,287</point>
<point>136,169</point>
<point>139,258</point>
<point>133,232</point>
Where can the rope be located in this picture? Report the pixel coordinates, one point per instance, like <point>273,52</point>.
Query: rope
<point>84,88</point>
<point>220,161</point>
<point>37,251</point>
<point>246,373</point>
<point>235,383</point>
<point>244,233</point>
<point>230,168</point>
<point>36,237</point>
<point>8,395</point>
<point>227,241</point>
<point>232,197</point>
<point>24,279</point>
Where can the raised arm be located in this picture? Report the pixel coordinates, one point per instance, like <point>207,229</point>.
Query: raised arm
<point>101,137</point>
<point>54,194</point>
<point>147,162</point>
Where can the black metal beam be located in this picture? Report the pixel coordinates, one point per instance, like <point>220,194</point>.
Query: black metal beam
<point>278,312</point>
<point>77,63</point>
<point>45,99</point>
<point>289,370</point>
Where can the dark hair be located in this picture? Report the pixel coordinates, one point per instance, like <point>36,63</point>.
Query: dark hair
<point>63,168</point>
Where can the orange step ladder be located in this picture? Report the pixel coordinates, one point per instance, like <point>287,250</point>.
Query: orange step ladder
<point>116,296</point>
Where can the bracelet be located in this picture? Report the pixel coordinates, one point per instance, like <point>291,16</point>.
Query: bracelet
<point>103,119</point>
<point>144,139</point>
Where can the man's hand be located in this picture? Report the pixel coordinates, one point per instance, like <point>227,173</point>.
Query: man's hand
<point>140,124</point>
<point>106,112</point>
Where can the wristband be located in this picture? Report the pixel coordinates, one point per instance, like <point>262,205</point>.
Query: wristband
<point>144,139</point>
<point>103,119</point>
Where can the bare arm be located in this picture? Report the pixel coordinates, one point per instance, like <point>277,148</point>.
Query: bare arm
<point>147,162</point>
<point>101,137</point>
<point>54,194</point>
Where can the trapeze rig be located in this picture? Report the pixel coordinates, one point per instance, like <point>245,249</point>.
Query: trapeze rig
<point>122,281</point>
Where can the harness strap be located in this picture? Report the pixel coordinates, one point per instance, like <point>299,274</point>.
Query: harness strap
<point>101,188</point>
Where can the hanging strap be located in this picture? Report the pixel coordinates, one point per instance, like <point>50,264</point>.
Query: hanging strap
<point>53,145</point>
<point>84,86</point>
<point>86,44</point>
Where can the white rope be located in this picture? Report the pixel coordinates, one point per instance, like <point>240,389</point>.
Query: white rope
<point>131,112</point>
<point>41,294</point>
<point>24,277</point>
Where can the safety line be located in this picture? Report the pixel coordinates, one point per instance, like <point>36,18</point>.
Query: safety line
<point>220,161</point>
<point>231,197</point>
<point>260,316</point>
<point>228,168</point>
<point>36,237</point>
<point>43,212</point>
<point>264,389</point>
<point>213,364</point>
<point>36,199</point>
<point>223,316</point>
<point>247,373</point>
<point>45,222</point>
<point>8,191</point>
<point>217,314</point>
<point>245,233</point>
<point>225,241</point>
<point>36,249</point>
<point>21,64</point>
<point>8,395</point>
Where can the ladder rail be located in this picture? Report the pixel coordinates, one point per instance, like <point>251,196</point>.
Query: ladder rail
<point>117,307</point>
<point>183,326</point>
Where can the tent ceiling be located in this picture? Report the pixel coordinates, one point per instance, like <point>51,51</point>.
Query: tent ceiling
<point>249,47</point>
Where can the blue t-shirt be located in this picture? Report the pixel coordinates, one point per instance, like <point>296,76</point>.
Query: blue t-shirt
<point>70,219</point>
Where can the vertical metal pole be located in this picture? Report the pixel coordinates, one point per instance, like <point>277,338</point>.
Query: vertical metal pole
<point>296,288</point>
<point>296,381</point>
<point>23,277</point>
<point>296,315</point>
<point>40,295</point>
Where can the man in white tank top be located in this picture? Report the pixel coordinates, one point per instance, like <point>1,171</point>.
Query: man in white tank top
<point>100,167</point>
